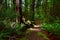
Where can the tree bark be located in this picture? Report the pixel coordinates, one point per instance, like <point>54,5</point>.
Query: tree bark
<point>32,8</point>
<point>45,6</point>
<point>26,9</point>
<point>38,6</point>
<point>1,2</point>
<point>20,11</point>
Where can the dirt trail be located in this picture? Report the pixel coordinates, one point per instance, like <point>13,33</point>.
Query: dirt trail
<point>33,34</point>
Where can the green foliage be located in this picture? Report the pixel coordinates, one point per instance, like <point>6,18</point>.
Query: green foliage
<point>36,16</point>
<point>44,11</point>
<point>7,31</point>
<point>24,38</point>
<point>7,15</point>
<point>54,28</point>
<point>43,35</point>
<point>6,19</point>
<point>19,28</point>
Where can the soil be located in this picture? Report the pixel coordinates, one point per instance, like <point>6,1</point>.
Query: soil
<point>33,35</point>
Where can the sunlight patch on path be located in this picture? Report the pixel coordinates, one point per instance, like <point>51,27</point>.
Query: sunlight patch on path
<point>36,28</point>
<point>33,29</point>
<point>36,25</point>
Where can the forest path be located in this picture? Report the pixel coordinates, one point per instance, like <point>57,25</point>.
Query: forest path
<point>33,34</point>
<point>34,31</point>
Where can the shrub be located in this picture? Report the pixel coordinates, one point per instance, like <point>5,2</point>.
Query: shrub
<point>54,28</point>
<point>43,35</point>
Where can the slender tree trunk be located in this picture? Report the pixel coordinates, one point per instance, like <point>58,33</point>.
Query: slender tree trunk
<point>5,4</point>
<point>16,8</point>
<point>1,2</point>
<point>26,9</point>
<point>32,8</point>
<point>14,4</point>
<point>38,6</point>
<point>45,6</point>
<point>55,10</point>
<point>45,10</point>
<point>20,11</point>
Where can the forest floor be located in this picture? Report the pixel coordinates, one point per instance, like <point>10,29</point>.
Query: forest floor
<point>37,33</point>
<point>33,35</point>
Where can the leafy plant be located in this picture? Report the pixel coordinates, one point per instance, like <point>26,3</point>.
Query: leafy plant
<point>7,15</point>
<point>43,35</point>
<point>54,28</point>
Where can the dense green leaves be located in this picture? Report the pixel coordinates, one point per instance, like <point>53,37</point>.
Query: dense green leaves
<point>47,11</point>
<point>53,28</point>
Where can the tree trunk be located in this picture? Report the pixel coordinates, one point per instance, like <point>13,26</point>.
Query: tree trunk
<point>45,6</point>
<point>20,11</point>
<point>16,8</point>
<point>14,5</point>
<point>38,6</point>
<point>32,8</point>
<point>26,9</point>
<point>45,10</point>
<point>1,2</point>
<point>55,10</point>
